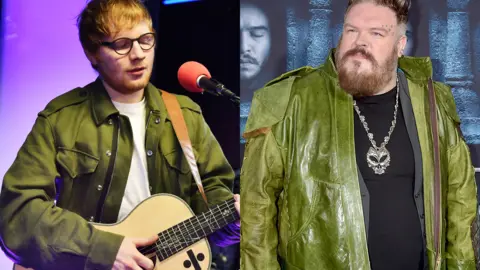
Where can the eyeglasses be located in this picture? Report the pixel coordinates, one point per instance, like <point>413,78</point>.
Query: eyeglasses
<point>123,46</point>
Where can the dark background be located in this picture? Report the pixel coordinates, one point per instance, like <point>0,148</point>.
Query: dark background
<point>205,31</point>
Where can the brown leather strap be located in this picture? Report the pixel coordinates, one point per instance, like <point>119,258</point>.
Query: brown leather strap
<point>436,172</point>
<point>178,123</point>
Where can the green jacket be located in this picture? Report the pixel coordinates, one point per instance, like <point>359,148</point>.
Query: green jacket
<point>301,199</point>
<point>78,145</point>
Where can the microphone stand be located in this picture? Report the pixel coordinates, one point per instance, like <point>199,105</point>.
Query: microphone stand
<point>216,88</point>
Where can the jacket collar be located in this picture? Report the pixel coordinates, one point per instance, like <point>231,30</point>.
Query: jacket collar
<point>103,108</point>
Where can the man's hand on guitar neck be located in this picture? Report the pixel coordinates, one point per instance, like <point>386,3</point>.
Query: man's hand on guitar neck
<point>129,258</point>
<point>237,206</point>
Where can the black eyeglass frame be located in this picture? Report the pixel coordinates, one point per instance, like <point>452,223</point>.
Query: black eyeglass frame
<point>109,44</point>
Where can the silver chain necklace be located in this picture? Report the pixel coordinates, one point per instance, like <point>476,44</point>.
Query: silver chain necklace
<point>378,158</point>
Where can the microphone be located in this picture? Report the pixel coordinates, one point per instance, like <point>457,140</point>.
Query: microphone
<point>196,78</point>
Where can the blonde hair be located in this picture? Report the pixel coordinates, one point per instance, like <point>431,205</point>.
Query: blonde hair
<point>102,18</point>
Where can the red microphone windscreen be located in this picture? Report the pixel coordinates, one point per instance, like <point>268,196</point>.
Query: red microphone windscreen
<point>188,74</point>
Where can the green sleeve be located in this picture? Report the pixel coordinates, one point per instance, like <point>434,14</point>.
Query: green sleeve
<point>34,231</point>
<point>461,208</point>
<point>216,173</point>
<point>261,183</point>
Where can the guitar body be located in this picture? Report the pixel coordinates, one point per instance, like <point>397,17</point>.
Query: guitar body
<point>155,214</point>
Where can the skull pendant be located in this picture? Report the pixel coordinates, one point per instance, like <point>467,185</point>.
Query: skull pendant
<point>378,159</point>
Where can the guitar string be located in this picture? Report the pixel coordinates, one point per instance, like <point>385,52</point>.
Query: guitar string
<point>165,250</point>
<point>218,209</point>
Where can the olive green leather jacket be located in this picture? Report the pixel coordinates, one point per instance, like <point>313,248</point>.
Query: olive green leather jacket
<point>81,140</point>
<point>301,201</point>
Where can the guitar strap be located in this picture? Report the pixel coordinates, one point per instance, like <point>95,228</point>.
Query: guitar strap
<point>436,164</point>
<point>180,127</point>
<point>475,228</point>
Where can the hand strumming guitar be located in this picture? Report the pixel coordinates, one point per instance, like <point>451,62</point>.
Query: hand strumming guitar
<point>128,256</point>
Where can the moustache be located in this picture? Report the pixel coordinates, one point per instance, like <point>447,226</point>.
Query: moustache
<point>247,59</point>
<point>362,52</point>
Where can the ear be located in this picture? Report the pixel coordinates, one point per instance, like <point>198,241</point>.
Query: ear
<point>92,57</point>
<point>402,42</point>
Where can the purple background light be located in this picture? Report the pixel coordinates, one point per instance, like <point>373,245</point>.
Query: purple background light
<point>42,58</point>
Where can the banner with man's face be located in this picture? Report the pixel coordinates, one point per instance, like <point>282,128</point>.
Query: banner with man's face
<point>281,35</point>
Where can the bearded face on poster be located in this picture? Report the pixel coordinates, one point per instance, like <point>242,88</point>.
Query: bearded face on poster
<point>255,40</point>
<point>262,52</point>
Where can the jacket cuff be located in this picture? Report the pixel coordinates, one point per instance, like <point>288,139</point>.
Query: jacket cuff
<point>228,235</point>
<point>104,250</point>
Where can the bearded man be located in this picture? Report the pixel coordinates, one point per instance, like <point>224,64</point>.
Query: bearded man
<point>359,163</point>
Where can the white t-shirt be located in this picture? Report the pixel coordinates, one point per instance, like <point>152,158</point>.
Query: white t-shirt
<point>137,188</point>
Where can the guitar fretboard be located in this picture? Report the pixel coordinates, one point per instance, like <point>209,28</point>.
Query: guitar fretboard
<point>192,230</point>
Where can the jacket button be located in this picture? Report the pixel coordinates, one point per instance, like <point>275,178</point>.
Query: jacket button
<point>99,187</point>
<point>91,218</point>
<point>108,153</point>
<point>149,153</point>
<point>417,195</point>
<point>422,216</point>
<point>157,121</point>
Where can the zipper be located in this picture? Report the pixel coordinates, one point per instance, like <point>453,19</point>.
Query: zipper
<point>436,175</point>
<point>436,208</point>
<point>437,218</point>
<point>110,170</point>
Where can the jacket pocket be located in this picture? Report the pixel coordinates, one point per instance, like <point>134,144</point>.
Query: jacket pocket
<point>323,236</point>
<point>177,160</point>
<point>76,162</point>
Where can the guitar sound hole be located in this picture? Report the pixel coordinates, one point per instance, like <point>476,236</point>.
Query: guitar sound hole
<point>200,257</point>
<point>187,264</point>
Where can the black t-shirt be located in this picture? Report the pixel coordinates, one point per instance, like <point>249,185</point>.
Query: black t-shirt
<point>395,238</point>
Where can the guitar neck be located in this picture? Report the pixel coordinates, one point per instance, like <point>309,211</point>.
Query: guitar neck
<point>193,230</point>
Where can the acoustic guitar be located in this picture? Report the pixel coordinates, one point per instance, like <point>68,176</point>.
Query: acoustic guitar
<point>181,242</point>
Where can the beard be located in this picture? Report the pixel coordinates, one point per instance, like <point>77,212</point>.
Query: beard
<point>123,83</point>
<point>360,84</point>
